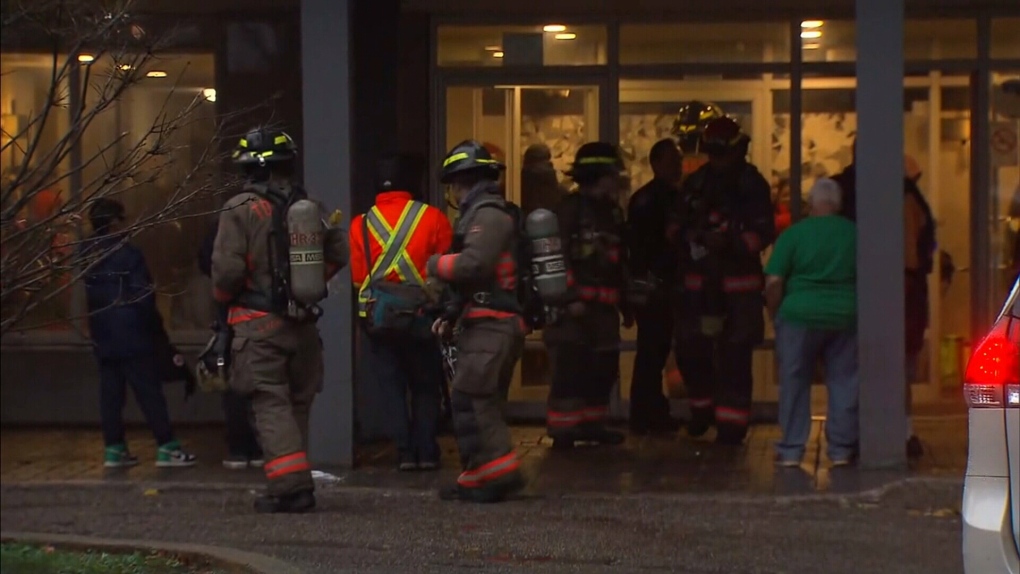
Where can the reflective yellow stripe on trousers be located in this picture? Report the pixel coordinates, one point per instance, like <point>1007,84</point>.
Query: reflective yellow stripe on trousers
<point>394,257</point>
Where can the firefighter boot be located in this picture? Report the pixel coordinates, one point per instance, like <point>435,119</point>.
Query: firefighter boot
<point>597,432</point>
<point>302,501</point>
<point>701,421</point>
<point>496,491</point>
<point>731,434</point>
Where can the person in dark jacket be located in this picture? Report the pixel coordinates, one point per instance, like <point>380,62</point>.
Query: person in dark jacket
<point>243,450</point>
<point>125,327</point>
<point>653,258</point>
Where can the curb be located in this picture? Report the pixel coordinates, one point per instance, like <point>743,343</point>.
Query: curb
<point>949,485</point>
<point>257,563</point>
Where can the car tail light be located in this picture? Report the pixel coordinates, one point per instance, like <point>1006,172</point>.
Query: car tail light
<point>993,372</point>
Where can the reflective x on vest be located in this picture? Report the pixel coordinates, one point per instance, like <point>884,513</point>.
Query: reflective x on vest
<point>394,256</point>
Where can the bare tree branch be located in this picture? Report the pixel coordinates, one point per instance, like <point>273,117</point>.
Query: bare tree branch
<point>99,49</point>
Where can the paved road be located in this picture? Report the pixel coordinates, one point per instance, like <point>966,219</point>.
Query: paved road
<point>907,531</point>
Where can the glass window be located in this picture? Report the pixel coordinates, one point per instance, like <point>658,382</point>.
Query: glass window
<point>835,41</point>
<point>690,43</point>
<point>35,190</point>
<point>548,45</point>
<point>1005,179</point>
<point>172,107</point>
<point>1006,38</point>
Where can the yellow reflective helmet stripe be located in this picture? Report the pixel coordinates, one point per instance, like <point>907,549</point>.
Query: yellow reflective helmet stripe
<point>282,139</point>
<point>455,157</point>
<point>598,160</point>
<point>243,143</point>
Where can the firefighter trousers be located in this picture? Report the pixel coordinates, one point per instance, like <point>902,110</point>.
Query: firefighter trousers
<point>586,352</point>
<point>487,353</point>
<point>278,363</point>
<point>718,368</point>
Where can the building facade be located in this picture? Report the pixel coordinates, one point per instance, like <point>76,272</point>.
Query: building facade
<point>938,81</point>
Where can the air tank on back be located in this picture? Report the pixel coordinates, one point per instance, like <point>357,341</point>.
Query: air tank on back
<point>307,252</point>
<point>548,266</point>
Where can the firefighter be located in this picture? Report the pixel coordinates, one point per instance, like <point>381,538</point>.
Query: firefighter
<point>275,346</point>
<point>722,222</point>
<point>481,272</point>
<point>584,338</point>
<point>653,261</point>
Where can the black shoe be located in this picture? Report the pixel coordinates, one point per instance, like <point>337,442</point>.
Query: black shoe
<point>299,502</point>
<point>914,447</point>
<point>666,425</point>
<point>730,435</point>
<point>697,427</point>
<point>602,435</point>
<point>408,462</point>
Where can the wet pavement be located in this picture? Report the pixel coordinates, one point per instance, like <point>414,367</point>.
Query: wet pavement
<point>644,465</point>
<point>361,531</point>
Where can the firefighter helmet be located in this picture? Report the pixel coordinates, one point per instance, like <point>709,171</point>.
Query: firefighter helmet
<point>262,145</point>
<point>690,122</point>
<point>470,156</point>
<point>723,135</point>
<point>594,160</point>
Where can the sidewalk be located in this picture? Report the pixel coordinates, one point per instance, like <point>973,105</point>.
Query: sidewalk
<point>644,465</point>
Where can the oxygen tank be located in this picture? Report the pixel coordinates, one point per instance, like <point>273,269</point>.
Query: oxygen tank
<point>307,254</point>
<point>548,266</point>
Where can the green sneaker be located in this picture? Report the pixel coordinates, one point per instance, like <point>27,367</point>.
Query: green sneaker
<point>118,456</point>
<point>171,455</point>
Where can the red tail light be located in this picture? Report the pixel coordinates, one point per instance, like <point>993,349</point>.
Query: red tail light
<point>993,372</point>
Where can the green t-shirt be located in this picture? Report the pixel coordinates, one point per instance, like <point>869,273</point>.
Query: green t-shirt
<point>817,258</point>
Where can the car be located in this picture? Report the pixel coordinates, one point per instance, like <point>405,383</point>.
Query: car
<point>991,491</point>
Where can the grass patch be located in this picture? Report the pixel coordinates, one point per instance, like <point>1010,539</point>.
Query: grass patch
<point>18,558</point>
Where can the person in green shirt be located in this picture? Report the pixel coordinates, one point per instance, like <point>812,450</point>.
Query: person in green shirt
<point>810,290</point>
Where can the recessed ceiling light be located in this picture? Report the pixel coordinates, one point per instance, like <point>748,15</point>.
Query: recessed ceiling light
<point>555,28</point>
<point>86,58</point>
<point>497,54</point>
<point>156,74</point>
<point>810,34</point>
<point>566,36</point>
<point>812,24</point>
<point>493,48</point>
<point>812,46</point>
<point>209,94</point>
<point>125,67</point>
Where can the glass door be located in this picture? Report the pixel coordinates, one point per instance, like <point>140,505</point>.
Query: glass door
<point>535,130</point>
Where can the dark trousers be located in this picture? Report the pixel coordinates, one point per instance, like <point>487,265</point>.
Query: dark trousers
<point>241,438</point>
<point>648,404</point>
<point>719,375</point>
<point>140,373</point>
<point>399,366</point>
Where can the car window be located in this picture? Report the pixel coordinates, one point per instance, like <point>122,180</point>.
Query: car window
<point>1012,305</point>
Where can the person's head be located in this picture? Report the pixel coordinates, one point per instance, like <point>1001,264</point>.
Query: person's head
<point>538,157</point>
<point>724,142</point>
<point>690,123</point>
<point>106,216</point>
<point>468,164</point>
<point>400,172</point>
<point>825,197</point>
<point>666,160</point>
<point>598,170</point>
<point>265,154</point>
<point>911,168</point>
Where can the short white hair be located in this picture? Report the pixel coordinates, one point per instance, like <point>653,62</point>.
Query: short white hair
<point>826,191</point>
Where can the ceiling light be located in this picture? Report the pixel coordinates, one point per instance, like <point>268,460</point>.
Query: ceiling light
<point>125,67</point>
<point>811,24</point>
<point>555,28</point>
<point>810,34</point>
<point>567,36</point>
<point>156,74</point>
<point>209,94</point>
<point>497,54</point>
<point>812,46</point>
<point>86,58</point>
<point>493,48</point>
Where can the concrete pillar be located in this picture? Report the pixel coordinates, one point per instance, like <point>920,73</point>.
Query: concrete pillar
<point>880,246</point>
<point>326,149</point>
